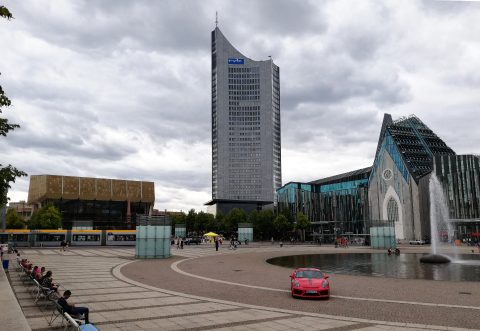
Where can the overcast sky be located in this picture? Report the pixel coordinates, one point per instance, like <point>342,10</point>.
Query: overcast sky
<point>121,89</point>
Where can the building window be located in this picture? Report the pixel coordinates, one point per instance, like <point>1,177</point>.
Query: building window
<point>392,210</point>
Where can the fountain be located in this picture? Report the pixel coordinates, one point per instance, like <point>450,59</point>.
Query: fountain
<point>438,220</point>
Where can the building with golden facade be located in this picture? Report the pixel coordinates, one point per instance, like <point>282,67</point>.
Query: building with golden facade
<point>93,203</point>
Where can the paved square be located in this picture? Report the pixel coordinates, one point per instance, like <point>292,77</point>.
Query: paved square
<point>119,305</point>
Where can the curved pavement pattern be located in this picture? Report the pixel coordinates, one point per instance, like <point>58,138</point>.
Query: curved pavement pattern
<point>101,279</point>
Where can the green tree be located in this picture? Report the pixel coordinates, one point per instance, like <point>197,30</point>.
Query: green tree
<point>219,218</point>
<point>9,173</point>
<point>282,225</point>
<point>263,228</point>
<point>202,220</point>
<point>14,221</point>
<point>252,218</point>
<point>302,224</point>
<point>47,217</point>
<point>212,224</point>
<point>4,12</point>
<point>287,213</point>
<point>190,220</point>
<point>178,218</point>
<point>233,217</point>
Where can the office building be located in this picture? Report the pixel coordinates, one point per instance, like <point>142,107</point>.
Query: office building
<point>246,144</point>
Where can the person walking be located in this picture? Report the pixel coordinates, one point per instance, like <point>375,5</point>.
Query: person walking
<point>178,243</point>
<point>216,244</point>
<point>181,243</point>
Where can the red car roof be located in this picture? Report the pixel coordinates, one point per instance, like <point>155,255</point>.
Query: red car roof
<point>301,269</point>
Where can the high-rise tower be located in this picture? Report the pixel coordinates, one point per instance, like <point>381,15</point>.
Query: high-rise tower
<point>246,144</point>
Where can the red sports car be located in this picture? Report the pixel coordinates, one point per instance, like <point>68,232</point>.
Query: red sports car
<point>309,283</point>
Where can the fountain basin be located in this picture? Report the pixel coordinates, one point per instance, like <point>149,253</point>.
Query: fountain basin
<point>380,264</point>
<point>435,259</point>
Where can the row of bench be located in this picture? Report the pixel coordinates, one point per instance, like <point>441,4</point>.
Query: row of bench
<point>49,296</point>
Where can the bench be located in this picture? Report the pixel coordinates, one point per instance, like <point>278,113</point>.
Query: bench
<point>18,266</point>
<point>45,293</point>
<point>25,274</point>
<point>68,321</point>
<point>77,325</point>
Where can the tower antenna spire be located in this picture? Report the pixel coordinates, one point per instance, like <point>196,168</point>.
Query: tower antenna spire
<point>216,19</point>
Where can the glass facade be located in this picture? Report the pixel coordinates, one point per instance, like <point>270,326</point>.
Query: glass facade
<point>460,177</point>
<point>153,241</point>
<point>411,144</point>
<point>389,146</point>
<point>336,207</point>
<point>180,230</point>
<point>245,232</point>
<point>101,214</point>
<point>246,144</point>
<point>244,141</point>
<point>382,235</point>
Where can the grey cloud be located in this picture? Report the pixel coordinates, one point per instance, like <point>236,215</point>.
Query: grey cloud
<point>447,7</point>
<point>101,26</point>
<point>283,17</point>
<point>343,126</point>
<point>110,83</point>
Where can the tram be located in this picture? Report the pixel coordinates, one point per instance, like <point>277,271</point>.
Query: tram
<point>53,238</point>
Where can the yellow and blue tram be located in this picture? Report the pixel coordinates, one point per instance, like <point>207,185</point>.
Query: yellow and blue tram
<point>52,238</point>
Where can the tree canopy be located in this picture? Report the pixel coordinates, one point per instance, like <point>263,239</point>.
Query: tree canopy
<point>263,224</point>
<point>9,173</point>
<point>201,222</point>
<point>4,12</point>
<point>14,221</point>
<point>47,217</point>
<point>282,225</point>
<point>232,219</point>
<point>302,224</point>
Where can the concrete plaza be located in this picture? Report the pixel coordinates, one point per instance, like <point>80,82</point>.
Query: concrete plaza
<point>200,289</point>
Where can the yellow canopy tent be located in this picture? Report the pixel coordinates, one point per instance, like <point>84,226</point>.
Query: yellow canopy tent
<point>210,234</point>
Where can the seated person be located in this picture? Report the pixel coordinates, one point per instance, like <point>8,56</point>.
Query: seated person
<point>39,275</point>
<point>18,258</point>
<point>27,265</point>
<point>34,271</point>
<point>70,308</point>
<point>48,282</point>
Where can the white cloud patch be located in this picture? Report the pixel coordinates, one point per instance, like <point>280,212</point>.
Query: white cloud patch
<point>123,90</point>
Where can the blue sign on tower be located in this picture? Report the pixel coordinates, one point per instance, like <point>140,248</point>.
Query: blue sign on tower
<point>236,61</point>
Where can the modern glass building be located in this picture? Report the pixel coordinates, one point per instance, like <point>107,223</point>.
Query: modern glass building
<point>460,177</point>
<point>93,203</point>
<point>246,144</point>
<point>395,192</point>
<point>399,181</point>
<point>336,206</point>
